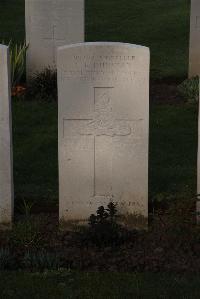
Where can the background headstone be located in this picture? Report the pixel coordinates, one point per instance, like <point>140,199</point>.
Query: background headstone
<point>6,176</point>
<point>49,24</point>
<point>194,52</point>
<point>103,128</point>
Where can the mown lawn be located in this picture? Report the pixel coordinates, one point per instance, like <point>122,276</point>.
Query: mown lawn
<point>159,24</point>
<point>53,285</point>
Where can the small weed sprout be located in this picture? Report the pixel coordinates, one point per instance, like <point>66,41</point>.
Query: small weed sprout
<point>26,207</point>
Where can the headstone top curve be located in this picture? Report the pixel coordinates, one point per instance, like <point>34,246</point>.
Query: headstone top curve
<point>3,47</point>
<point>109,44</point>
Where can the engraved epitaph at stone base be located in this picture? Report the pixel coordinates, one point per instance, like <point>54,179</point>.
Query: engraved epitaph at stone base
<point>50,24</point>
<point>103,129</point>
<point>6,176</point>
<point>194,52</point>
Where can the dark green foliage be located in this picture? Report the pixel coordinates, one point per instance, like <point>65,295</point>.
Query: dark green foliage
<point>103,227</point>
<point>41,260</point>
<point>43,86</point>
<point>189,89</point>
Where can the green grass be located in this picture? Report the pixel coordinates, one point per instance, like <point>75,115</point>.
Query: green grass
<point>173,144</point>
<point>12,21</point>
<point>35,150</point>
<point>98,285</point>
<point>159,24</point>
<point>173,149</point>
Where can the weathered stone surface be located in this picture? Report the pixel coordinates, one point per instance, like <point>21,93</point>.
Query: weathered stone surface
<point>6,176</point>
<point>103,128</point>
<point>194,55</point>
<point>50,24</point>
<point>198,167</point>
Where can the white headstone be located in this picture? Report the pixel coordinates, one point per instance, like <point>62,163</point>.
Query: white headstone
<point>194,55</point>
<point>6,176</point>
<point>198,166</point>
<point>50,24</point>
<point>103,128</point>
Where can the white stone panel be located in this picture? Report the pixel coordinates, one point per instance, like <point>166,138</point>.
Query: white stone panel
<point>103,128</point>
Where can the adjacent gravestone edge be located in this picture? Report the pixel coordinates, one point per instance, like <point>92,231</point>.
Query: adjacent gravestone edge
<point>7,192</point>
<point>198,166</point>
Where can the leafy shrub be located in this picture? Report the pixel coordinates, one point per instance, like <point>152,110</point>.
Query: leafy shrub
<point>103,227</point>
<point>41,261</point>
<point>189,89</point>
<point>6,259</point>
<point>43,86</point>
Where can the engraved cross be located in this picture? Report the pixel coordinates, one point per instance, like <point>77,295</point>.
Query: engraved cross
<point>103,127</point>
<point>54,40</point>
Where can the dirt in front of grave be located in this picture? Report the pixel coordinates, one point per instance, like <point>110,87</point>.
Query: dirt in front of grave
<point>172,243</point>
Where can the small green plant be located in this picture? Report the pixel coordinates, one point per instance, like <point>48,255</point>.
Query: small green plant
<point>189,89</point>
<point>18,62</point>
<point>25,208</point>
<point>103,215</point>
<point>41,260</point>
<point>6,259</point>
<point>103,227</point>
<point>43,86</point>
